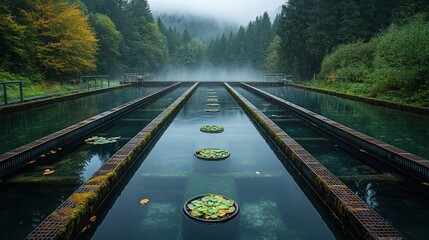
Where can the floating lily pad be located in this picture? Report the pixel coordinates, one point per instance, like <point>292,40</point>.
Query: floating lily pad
<point>211,208</point>
<point>212,105</point>
<point>212,154</point>
<point>211,129</point>
<point>101,140</point>
<point>212,110</point>
<point>208,93</point>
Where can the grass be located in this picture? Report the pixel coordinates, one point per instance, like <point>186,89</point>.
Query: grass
<point>366,90</point>
<point>46,88</point>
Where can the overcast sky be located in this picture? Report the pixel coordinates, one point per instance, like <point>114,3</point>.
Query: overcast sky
<point>239,11</point>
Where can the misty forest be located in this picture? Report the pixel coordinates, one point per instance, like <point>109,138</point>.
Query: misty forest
<point>380,47</point>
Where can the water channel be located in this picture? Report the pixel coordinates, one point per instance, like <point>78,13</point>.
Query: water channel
<point>402,129</point>
<point>272,204</point>
<point>28,197</point>
<point>386,192</point>
<point>24,126</point>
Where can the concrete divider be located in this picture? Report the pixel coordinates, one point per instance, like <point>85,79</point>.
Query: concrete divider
<point>16,158</point>
<point>71,217</point>
<point>359,219</point>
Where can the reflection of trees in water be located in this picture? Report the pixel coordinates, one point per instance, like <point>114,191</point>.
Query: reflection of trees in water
<point>367,192</point>
<point>402,129</point>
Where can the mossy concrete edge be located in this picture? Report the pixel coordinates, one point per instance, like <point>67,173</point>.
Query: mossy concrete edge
<point>73,215</point>
<point>356,216</point>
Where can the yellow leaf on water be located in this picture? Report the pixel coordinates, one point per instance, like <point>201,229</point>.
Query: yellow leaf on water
<point>144,201</point>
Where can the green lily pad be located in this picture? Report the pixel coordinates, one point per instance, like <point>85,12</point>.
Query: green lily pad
<point>211,207</point>
<point>101,140</point>
<point>212,110</point>
<point>212,105</point>
<point>212,154</point>
<point>211,129</point>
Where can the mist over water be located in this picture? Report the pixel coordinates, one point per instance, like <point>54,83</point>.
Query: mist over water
<point>210,74</point>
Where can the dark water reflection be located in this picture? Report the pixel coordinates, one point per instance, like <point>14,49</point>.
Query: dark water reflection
<point>22,127</point>
<point>406,130</point>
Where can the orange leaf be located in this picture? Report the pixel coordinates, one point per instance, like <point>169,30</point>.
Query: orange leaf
<point>93,218</point>
<point>144,201</point>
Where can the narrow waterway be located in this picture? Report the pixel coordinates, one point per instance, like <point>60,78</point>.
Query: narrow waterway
<point>402,129</point>
<point>387,193</point>
<point>28,197</point>
<point>24,126</point>
<point>272,205</point>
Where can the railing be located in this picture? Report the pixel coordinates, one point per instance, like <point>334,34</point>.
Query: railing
<point>4,85</point>
<point>88,79</point>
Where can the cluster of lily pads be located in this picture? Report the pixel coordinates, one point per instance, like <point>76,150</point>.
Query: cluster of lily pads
<point>212,154</point>
<point>211,129</point>
<point>212,104</point>
<point>211,206</point>
<point>212,110</point>
<point>96,140</point>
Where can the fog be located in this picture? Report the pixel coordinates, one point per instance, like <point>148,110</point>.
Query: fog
<point>238,11</point>
<point>209,74</point>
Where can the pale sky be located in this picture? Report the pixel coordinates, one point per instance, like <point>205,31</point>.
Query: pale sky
<point>239,11</point>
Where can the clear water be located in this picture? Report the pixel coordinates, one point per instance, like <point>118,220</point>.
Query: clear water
<point>22,127</point>
<point>405,130</point>
<point>28,197</point>
<point>385,192</point>
<point>272,204</point>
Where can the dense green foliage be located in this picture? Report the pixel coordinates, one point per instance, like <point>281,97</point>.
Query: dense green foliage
<point>62,39</point>
<point>247,47</point>
<point>203,28</point>
<point>310,29</point>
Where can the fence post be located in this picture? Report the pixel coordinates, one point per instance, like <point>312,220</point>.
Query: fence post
<point>21,94</point>
<point>5,93</point>
<point>345,85</point>
<point>81,83</point>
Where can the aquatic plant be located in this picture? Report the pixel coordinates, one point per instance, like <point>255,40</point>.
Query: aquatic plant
<point>212,154</point>
<point>101,140</point>
<point>212,105</point>
<point>211,206</point>
<point>211,129</point>
<point>211,110</point>
<point>208,93</point>
<point>211,96</point>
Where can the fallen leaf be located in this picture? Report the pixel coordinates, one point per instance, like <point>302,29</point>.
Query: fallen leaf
<point>144,201</point>
<point>93,218</point>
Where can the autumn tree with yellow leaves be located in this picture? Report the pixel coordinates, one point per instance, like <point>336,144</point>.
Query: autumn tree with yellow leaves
<point>65,42</point>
